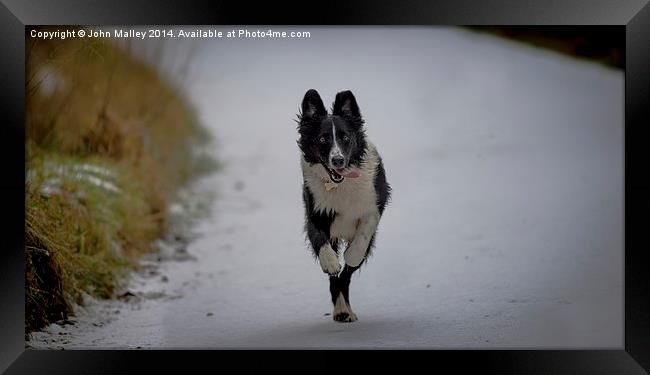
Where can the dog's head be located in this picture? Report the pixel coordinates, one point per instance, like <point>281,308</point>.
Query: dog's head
<point>336,141</point>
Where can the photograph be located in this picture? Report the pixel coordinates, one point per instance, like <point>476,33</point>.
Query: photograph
<point>324,187</point>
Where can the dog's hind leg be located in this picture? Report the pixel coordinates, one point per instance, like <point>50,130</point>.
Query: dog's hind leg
<point>340,291</point>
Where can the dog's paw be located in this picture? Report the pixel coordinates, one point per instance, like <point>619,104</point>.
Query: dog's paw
<point>329,260</point>
<point>345,317</point>
<point>342,311</point>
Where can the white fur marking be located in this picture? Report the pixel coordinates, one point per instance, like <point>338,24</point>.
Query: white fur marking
<point>341,307</point>
<point>329,261</point>
<point>335,150</point>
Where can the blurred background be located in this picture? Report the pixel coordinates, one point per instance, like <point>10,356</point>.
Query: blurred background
<point>602,44</point>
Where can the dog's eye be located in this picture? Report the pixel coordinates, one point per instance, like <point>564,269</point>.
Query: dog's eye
<point>322,140</point>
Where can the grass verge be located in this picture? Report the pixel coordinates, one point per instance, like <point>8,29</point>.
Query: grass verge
<point>109,141</point>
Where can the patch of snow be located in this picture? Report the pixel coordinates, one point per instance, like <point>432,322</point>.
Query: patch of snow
<point>91,174</point>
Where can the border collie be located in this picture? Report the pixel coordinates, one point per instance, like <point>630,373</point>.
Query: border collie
<point>344,190</point>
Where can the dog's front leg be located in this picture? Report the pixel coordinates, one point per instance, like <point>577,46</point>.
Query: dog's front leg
<point>329,260</point>
<point>366,227</point>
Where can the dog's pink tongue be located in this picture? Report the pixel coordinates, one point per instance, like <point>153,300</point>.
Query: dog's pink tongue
<point>351,173</point>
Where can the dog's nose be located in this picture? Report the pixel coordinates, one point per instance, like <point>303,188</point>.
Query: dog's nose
<point>338,161</point>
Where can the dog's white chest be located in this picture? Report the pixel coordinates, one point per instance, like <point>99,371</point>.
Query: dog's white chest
<point>352,199</point>
<point>344,227</point>
<point>351,204</point>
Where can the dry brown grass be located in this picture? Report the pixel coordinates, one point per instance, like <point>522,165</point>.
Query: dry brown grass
<point>92,105</point>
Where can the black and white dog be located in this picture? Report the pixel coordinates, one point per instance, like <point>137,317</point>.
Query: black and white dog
<point>344,190</point>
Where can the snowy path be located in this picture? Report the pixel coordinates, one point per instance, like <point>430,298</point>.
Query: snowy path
<point>505,228</point>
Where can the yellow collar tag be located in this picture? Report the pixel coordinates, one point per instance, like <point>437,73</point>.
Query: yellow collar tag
<point>329,185</point>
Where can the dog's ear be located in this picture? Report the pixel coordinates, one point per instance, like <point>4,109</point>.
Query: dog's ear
<point>312,105</point>
<point>346,104</point>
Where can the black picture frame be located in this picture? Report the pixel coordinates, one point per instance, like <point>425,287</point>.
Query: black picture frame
<point>634,16</point>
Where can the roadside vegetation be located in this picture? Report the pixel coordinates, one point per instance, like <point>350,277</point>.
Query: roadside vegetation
<point>600,44</point>
<point>109,141</point>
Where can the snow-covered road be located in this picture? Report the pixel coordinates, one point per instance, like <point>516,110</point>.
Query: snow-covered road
<point>505,228</point>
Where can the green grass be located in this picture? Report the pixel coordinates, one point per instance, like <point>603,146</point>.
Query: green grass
<point>84,230</point>
<point>109,143</point>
